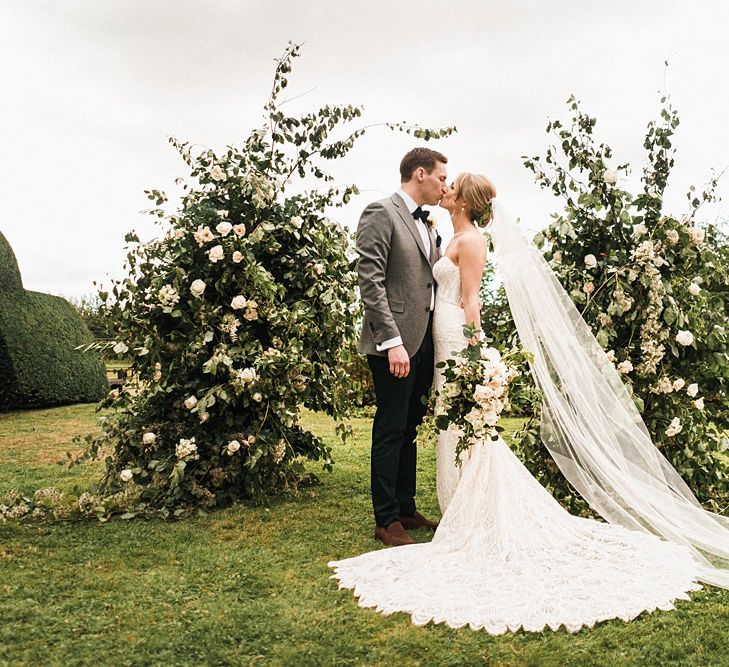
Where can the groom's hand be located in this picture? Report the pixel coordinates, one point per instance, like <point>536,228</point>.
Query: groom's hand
<point>399,361</point>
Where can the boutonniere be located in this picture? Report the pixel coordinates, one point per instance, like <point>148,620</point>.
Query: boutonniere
<point>432,223</point>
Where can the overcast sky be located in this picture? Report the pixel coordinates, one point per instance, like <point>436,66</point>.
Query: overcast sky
<point>92,88</point>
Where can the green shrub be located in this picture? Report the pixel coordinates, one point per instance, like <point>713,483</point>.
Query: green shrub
<point>38,333</point>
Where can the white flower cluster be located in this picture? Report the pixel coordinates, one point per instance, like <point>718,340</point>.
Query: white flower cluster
<point>186,448</point>
<point>674,428</point>
<point>644,253</point>
<point>279,451</point>
<point>168,295</point>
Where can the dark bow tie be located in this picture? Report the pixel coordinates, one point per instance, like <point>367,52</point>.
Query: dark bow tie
<point>420,214</point>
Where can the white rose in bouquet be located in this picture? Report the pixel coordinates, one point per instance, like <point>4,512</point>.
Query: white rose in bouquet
<point>692,389</point>
<point>625,367</point>
<point>482,393</point>
<point>639,230</point>
<point>232,448</point>
<point>149,438</point>
<point>237,257</point>
<point>694,289</point>
<point>590,261</point>
<point>699,403</point>
<point>696,234</point>
<point>191,402</point>
<point>297,222</point>
<point>120,348</point>
<point>678,384</point>
<point>217,173</point>
<point>126,475</point>
<point>610,177</point>
<point>239,230</point>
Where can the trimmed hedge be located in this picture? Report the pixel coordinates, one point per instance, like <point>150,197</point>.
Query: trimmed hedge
<point>39,366</point>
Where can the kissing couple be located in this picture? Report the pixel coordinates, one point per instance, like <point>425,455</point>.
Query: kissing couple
<point>505,554</point>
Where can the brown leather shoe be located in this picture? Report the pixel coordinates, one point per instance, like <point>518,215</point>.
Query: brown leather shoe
<point>394,535</point>
<point>417,520</point>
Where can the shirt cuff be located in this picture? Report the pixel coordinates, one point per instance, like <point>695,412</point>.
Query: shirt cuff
<point>386,345</point>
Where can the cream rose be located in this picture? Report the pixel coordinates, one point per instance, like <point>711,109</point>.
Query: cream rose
<point>223,228</point>
<point>694,289</point>
<point>217,173</point>
<point>198,287</point>
<point>699,403</point>
<point>126,475</point>
<point>684,338</point>
<point>215,254</point>
<point>692,389</point>
<point>679,384</point>
<point>590,261</point>
<point>239,230</point>
<point>149,438</point>
<point>232,448</point>
<point>610,177</point>
<point>191,402</point>
<point>237,257</point>
<point>238,302</point>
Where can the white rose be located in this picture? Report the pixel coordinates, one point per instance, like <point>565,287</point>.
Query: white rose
<point>590,261</point>
<point>248,375</point>
<point>297,222</point>
<point>126,475</point>
<point>197,287</point>
<point>610,177</point>
<point>672,236</point>
<point>692,389</point>
<point>588,288</point>
<point>120,348</point>
<point>179,233</point>
<point>216,173</point>
<point>490,418</point>
<point>237,257</point>
<point>694,289</point>
<point>491,354</point>
<point>482,394</point>
<point>674,427</point>
<point>223,228</point>
<point>216,253</point>
<point>696,234</point>
<point>190,402</point>
<point>625,367</point>
<point>233,447</point>
<point>610,356</point>
<point>238,302</point>
<point>203,235</point>
<point>239,230</point>
<point>679,384</point>
<point>684,338</point>
<point>639,230</point>
<point>699,403</point>
<point>257,397</point>
<point>149,438</point>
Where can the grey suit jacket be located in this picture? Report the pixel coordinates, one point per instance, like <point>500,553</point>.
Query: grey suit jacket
<point>395,276</point>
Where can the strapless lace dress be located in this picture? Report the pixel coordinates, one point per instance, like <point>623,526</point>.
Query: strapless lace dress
<point>506,555</point>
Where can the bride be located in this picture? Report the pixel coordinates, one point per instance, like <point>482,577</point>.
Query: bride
<point>506,555</point>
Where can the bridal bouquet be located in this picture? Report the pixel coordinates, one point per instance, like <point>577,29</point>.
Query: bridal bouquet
<point>475,391</point>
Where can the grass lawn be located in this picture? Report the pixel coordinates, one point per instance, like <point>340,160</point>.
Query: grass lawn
<point>250,586</point>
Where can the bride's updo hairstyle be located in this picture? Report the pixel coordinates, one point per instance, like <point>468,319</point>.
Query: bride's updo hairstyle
<point>476,191</point>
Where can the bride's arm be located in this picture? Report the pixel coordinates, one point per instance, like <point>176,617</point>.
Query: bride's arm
<point>471,260</point>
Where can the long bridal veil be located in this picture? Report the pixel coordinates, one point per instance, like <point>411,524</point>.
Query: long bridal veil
<point>590,424</point>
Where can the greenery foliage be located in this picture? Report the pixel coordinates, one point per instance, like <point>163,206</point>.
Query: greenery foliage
<point>653,289</point>
<point>241,315</point>
<point>39,364</point>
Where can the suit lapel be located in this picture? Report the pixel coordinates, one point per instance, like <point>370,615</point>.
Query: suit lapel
<point>404,214</point>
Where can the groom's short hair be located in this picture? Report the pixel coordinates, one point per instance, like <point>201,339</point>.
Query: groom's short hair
<point>419,157</point>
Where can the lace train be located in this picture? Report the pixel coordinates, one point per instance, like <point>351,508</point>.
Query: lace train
<point>507,556</point>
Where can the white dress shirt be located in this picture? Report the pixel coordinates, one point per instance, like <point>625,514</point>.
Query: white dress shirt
<point>423,230</point>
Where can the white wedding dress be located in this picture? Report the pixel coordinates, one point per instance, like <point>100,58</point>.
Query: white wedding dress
<point>506,555</point>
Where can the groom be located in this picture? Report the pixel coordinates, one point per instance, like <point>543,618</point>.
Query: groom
<point>397,249</point>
